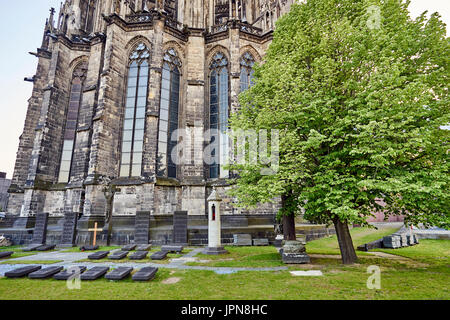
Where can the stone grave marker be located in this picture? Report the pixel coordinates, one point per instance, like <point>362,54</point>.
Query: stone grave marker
<point>22,272</point>
<point>142,227</point>
<point>68,273</point>
<point>94,273</point>
<point>138,255</point>
<point>98,255</point>
<point>119,273</point>
<point>145,274</point>
<point>6,254</point>
<point>242,239</point>
<point>172,248</point>
<point>260,242</point>
<point>45,273</point>
<point>144,247</point>
<point>39,232</point>
<point>160,255</point>
<point>129,247</point>
<point>118,255</point>
<point>180,224</point>
<point>69,229</point>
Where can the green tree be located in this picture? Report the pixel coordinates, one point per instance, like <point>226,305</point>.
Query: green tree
<point>358,91</point>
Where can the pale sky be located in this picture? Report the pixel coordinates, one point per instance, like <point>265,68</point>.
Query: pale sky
<point>21,28</point>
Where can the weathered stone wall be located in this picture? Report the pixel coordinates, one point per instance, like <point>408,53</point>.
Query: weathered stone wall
<point>97,153</point>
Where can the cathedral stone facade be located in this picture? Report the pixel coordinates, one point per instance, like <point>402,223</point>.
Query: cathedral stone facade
<point>115,79</point>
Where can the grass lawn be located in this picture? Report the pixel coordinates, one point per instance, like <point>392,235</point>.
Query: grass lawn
<point>420,272</point>
<point>359,236</point>
<point>18,253</point>
<point>398,281</point>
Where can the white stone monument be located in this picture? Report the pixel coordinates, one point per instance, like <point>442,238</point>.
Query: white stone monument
<point>214,226</point>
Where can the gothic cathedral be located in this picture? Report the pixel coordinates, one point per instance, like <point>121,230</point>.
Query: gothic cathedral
<point>115,79</point>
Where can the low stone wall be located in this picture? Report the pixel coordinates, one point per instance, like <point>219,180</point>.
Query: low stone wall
<point>161,228</point>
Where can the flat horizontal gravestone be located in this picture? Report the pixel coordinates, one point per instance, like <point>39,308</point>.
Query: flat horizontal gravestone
<point>260,242</point>
<point>45,273</point>
<point>311,273</point>
<point>145,274</point>
<point>22,272</point>
<point>129,247</point>
<point>119,273</point>
<point>160,255</point>
<point>144,247</point>
<point>31,247</point>
<point>118,255</point>
<point>6,254</point>
<point>46,247</point>
<point>70,273</point>
<point>172,248</point>
<point>242,239</point>
<point>89,248</point>
<point>94,273</point>
<point>98,255</point>
<point>138,255</point>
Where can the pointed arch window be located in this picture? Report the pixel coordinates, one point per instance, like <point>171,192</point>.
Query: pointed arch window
<point>247,73</point>
<point>168,114</point>
<point>75,98</point>
<point>218,113</point>
<point>135,109</point>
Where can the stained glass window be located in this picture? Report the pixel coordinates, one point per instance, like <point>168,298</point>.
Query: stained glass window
<point>218,113</point>
<point>168,117</point>
<point>135,108</point>
<point>76,91</point>
<point>247,73</point>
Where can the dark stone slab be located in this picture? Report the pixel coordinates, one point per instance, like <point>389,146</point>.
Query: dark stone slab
<point>119,273</point>
<point>118,255</point>
<point>6,254</point>
<point>94,273</point>
<point>180,224</point>
<point>69,229</point>
<point>89,248</point>
<point>215,251</point>
<point>68,273</point>
<point>138,255</point>
<point>46,247</point>
<point>142,226</point>
<point>22,272</point>
<point>45,273</point>
<point>40,229</point>
<point>242,239</point>
<point>98,255</point>
<point>32,247</point>
<point>129,247</point>
<point>371,245</point>
<point>144,247</point>
<point>260,242</point>
<point>160,255</point>
<point>145,274</point>
<point>295,258</point>
<point>172,248</point>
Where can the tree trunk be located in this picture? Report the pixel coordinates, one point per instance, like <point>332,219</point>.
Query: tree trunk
<point>348,252</point>
<point>289,227</point>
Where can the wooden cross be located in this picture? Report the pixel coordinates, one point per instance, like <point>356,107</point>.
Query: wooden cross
<point>95,233</point>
